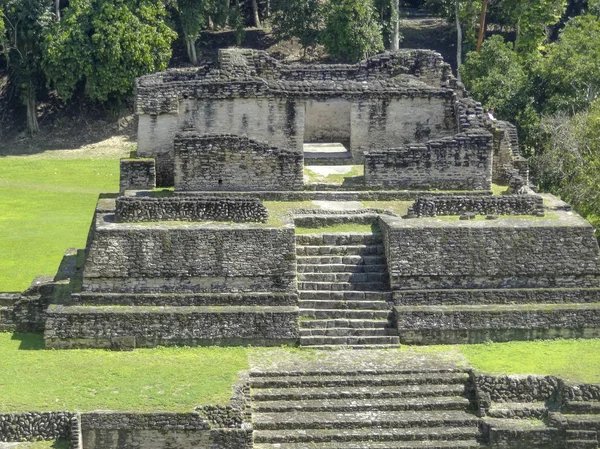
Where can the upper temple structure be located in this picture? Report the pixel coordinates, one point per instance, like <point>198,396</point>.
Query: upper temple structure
<point>221,233</point>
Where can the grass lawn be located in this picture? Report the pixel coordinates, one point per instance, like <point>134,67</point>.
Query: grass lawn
<point>162,379</point>
<point>59,444</point>
<point>573,360</point>
<point>46,206</point>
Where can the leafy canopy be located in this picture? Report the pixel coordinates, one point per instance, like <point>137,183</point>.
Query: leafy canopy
<point>106,44</point>
<point>301,19</point>
<point>351,30</point>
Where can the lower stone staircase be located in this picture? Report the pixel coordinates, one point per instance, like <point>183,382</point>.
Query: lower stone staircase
<point>583,425</point>
<point>344,294</point>
<point>378,409</point>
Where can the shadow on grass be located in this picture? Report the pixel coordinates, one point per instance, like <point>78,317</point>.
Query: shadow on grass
<point>29,342</point>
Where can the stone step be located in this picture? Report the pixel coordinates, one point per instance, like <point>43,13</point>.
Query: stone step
<point>348,332</point>
<point>517,410</point>
<point>322,340</point>
<point>429,391</point>
<point>353,278</point>
<point>342,268</point>
<point>581,444</point>
<point>366,435</point>
<point>338,239</point>
<point>581,434</point>
<point>358,381</point>
<point>333,314</point>
<point>357,372</point>
<point>337,323</point>
<point>583,422</point>
<point>362,305</point>
<point>362,420</point>
<point>582,407</point>
<point>353,347</point>
<point>341,260</point>
<point>353,405</point>
<point>419,444</point>
<point>365,286</point>
<point>348,295</point>
<point>341,250</point>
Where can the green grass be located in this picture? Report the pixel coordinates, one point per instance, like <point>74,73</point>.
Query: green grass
<point>161,379</point>
<point>338,179</point>
<point>46,206</point>
<point>499,190</point>
<point>573,360</point>
<point>339,228</point>
<point>58,444</point>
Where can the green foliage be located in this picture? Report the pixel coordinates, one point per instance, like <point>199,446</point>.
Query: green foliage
<point>351,30</point>
<point>469,14</point>
<point>237,22</point>
<point>497,77</point>
<point>573,360</point>
<point>106,44</point>
<point>571,69</point>
<point>193,16</point>
<point>594,7</point>
<point>302,19</point>
<point>530,19</point>
<point>46,206</point>
<point>567,162</point>
<point>146,380</point>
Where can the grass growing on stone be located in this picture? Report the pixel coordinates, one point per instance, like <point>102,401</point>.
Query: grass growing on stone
<point>400,208</point>
<point>46,206</point>
<point>340,228</point>
<point>279,210</point>
<point>58,444</point>
<point>573,360</point>
<point>499,190</point>
<point>161,379</point>
<point>312,177</point>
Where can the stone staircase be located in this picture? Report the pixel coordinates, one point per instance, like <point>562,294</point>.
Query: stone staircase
<point>360,409</point>
<point>344,294</point>
<point>583,425</point>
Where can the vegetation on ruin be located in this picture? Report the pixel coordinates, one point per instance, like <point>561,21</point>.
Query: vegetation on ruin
<point>46,206</point>
<point>573,360</point>
<point>161,379</point>
<point>340,228</point>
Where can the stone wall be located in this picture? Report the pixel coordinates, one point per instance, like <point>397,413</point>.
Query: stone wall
<point>381,123</point>
<point>122,327</point>
<point>462,162</point>
<point>279,121</point>
<point>110,430</point>
<point>179,208</point>
<point>225,162</point>
<point>430,253</point>
<point>137,174</point>
<point>194,258</point>
<point>468,324</point>
<point>497,296</point>
<point>514,388</point>
<point>327,121</point>
<point>481,205</point>
<point>33,426</point>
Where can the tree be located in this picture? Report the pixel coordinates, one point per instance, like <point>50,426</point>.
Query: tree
<point>530,19</point>
<point>106,44</point>
<point>302,19</point>
<point>388,12</point>
<point>193,16</point>
<point>23,24</point>
<point>497,77</point>
<point>567,161</point>
<point>570,71</point>
<point>351,30</point>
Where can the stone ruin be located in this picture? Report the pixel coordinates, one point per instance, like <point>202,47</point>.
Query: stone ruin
<point>203,264</point>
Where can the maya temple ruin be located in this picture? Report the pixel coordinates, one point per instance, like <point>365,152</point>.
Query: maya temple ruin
<point>200,248</point>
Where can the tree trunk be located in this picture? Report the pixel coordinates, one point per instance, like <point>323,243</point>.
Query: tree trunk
<point>395,41</point>
<point>268,8</point>
<point>190,44</point>
<point>482,24</point>
<point>459,39</point>
<point>255,13</point>
<point>32,122</point>
<point>57,9</point>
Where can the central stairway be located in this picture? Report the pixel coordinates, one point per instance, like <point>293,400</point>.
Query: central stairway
<point>362,409</point>
<point>343,287</point>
